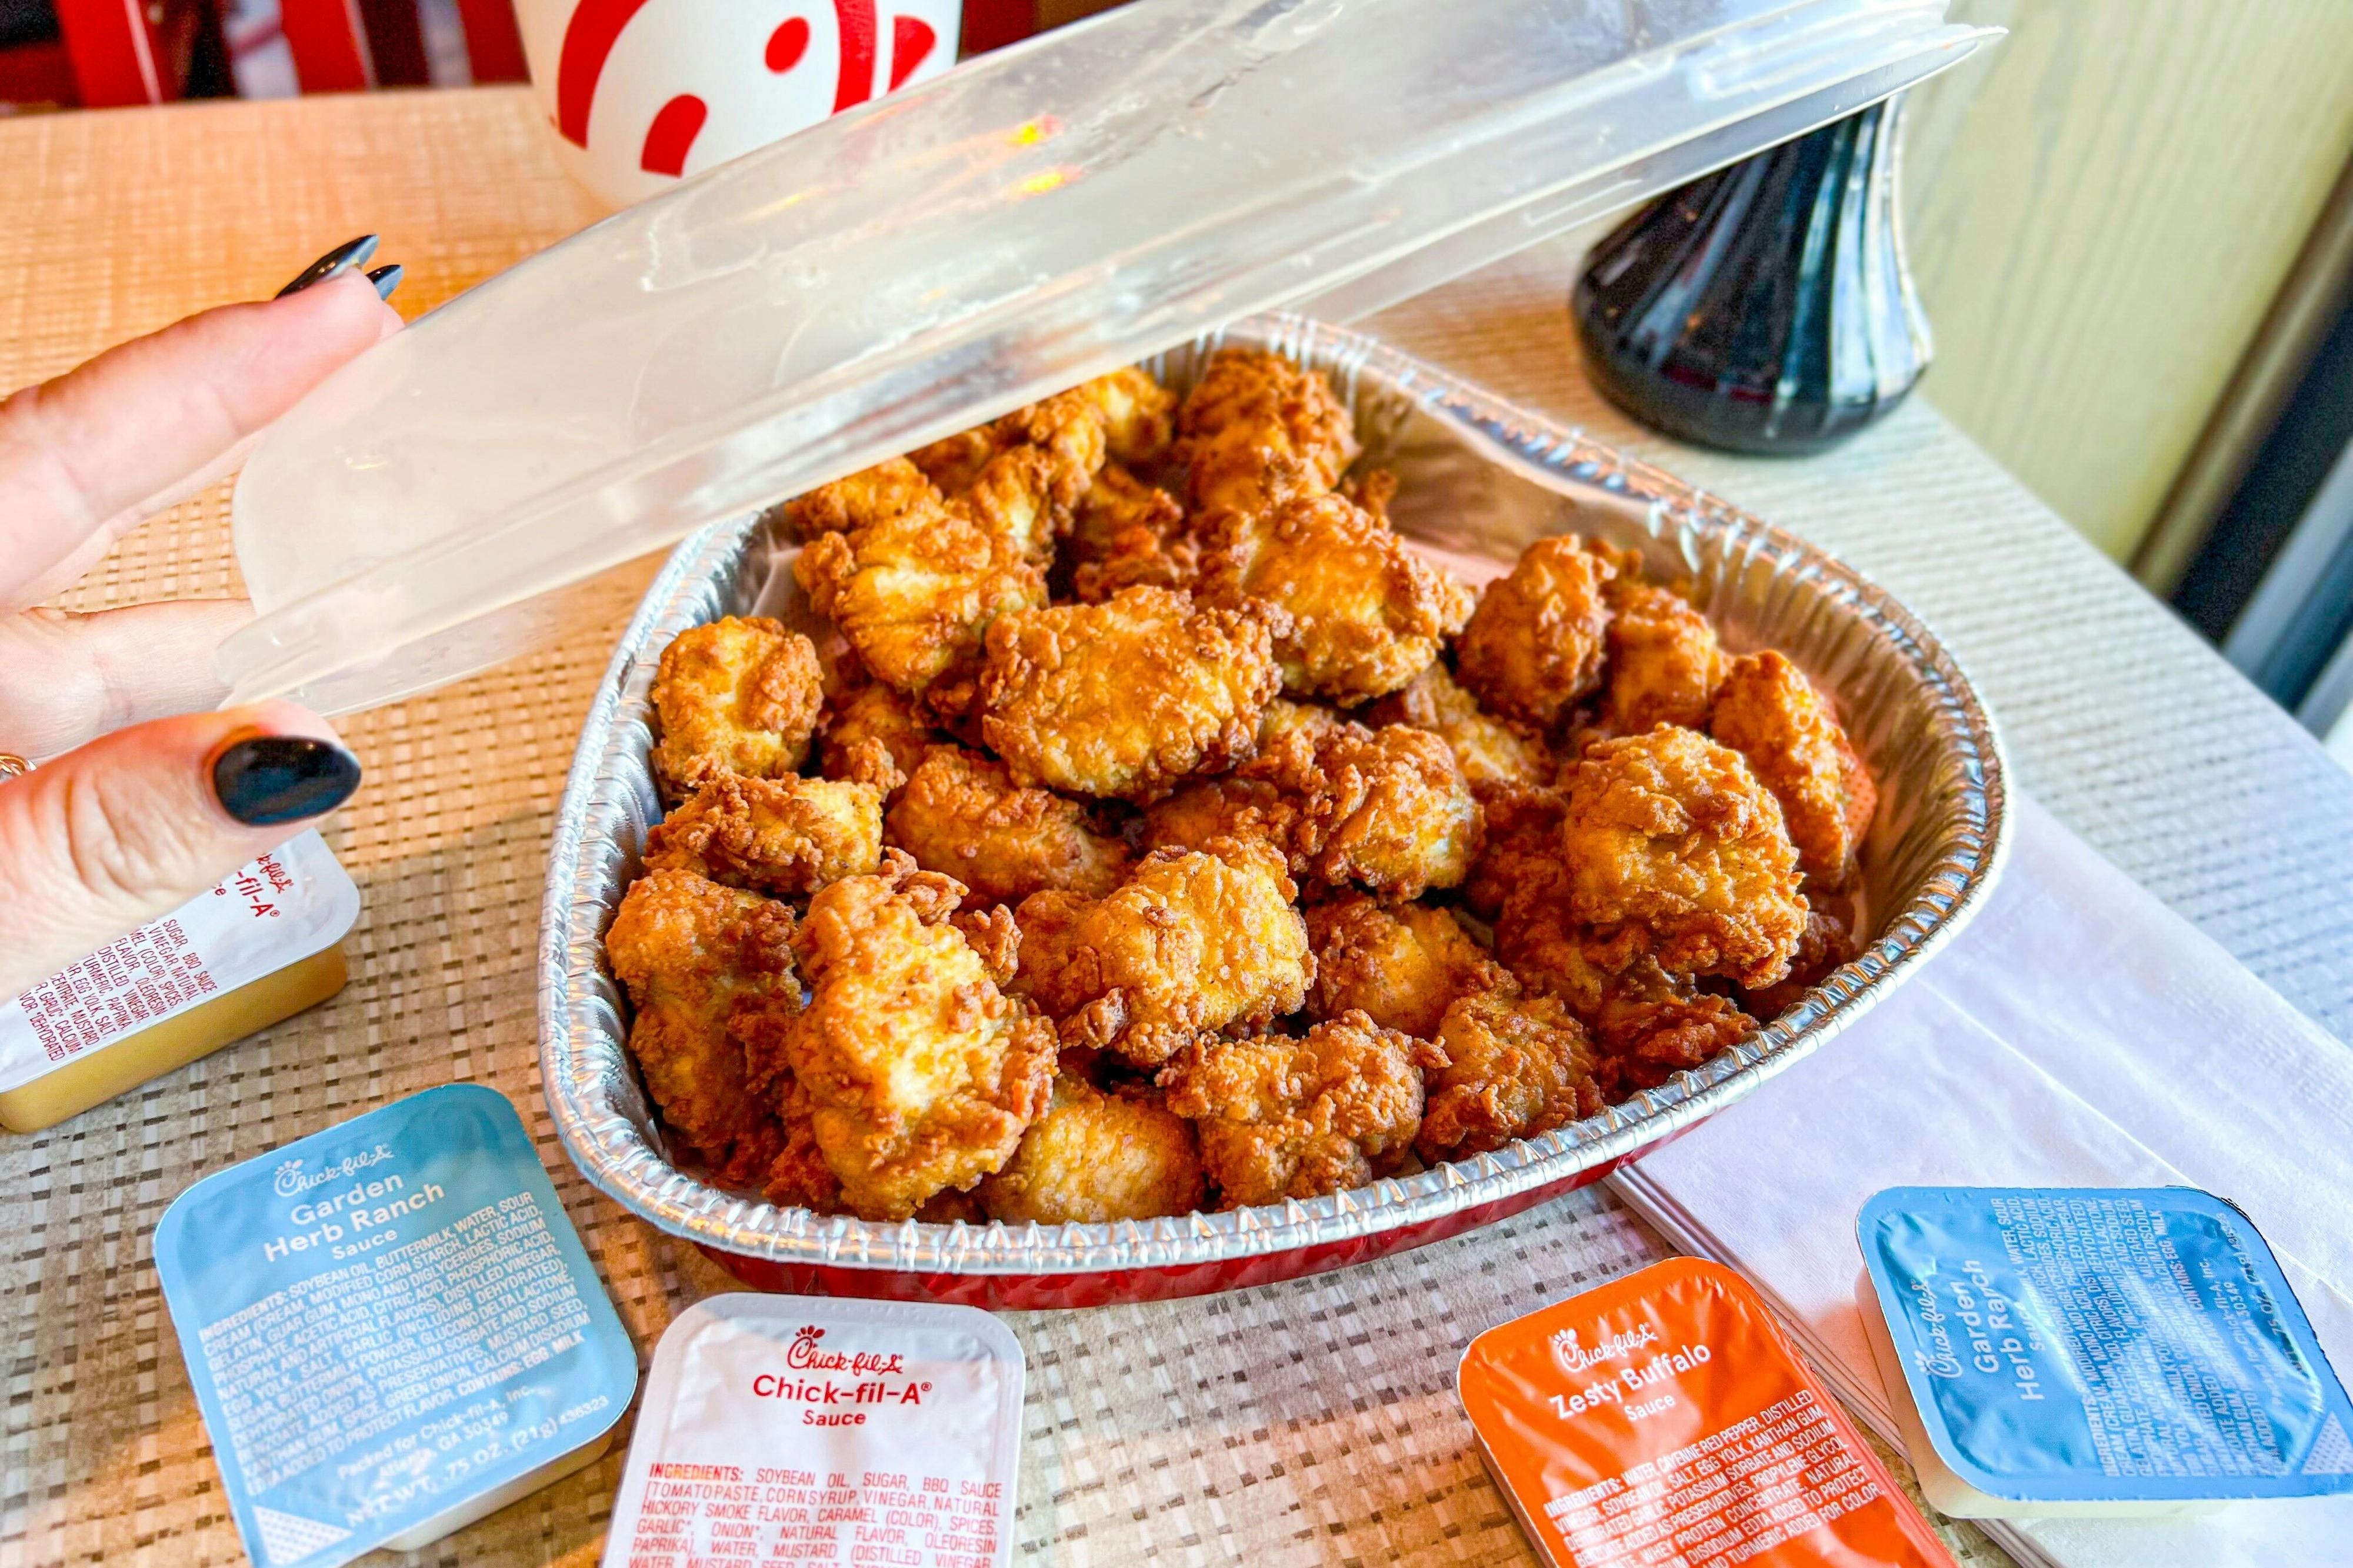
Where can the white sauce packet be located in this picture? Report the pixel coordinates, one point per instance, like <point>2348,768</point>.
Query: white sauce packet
<point>781,1429</point>
<point>270,912</point>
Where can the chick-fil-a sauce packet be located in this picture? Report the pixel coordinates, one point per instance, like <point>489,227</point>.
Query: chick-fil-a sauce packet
<point>1665,1421</point>
<point>790,1429</point>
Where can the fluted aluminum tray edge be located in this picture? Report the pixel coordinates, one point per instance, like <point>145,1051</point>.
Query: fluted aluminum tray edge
<point>1939,844</point>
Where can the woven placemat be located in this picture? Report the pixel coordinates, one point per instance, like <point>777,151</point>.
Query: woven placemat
<point>1306,1423</point>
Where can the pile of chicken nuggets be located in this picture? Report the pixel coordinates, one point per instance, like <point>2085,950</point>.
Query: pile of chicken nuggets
<point>1157,830</point>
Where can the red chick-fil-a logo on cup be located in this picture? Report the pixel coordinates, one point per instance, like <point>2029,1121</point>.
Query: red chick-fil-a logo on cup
<point>642,93</point>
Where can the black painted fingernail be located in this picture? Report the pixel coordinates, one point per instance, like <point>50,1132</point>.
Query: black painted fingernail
<point>283,778</point>
<point>385,279</point>
<point>335,263</point>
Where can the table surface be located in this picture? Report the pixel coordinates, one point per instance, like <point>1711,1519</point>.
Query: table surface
<point>1305,1423</point>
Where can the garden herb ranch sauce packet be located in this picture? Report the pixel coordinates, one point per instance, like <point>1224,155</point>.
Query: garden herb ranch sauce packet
<point>1665,1421</point>
<point>392,1329</point>
<point>787,1429</point>
<point>2096,1352</point>
<point>129,998</point>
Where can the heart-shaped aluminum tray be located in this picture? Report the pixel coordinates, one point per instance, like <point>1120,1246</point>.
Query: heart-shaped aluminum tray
<point>1479,480</point>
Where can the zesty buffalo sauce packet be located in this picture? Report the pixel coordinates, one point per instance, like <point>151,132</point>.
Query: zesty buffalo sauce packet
<point>1665,1421</point>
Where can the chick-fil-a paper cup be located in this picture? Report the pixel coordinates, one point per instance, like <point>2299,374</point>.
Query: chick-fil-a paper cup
<point>641,93</point>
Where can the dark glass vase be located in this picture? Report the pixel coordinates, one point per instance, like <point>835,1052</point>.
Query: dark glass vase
<point>1767,306</point>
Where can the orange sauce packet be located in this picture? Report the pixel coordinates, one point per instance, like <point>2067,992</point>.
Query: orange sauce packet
<point>1665,1421</point>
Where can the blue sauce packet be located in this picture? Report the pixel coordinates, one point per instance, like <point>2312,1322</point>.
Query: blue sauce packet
<point>2096,1350</point>
<point>392,1329</point>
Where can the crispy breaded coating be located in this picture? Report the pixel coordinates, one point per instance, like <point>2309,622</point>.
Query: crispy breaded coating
<point>798,1176</point>
<point>1116,502</point>
<point>961,813</point>
<point>1671,842</point>
<point>1136,414</point>
<point>874,736</point>
<point>1400,964</point>
<point>1651,1025</point>
<point>1826,944</point>
<point>872,495</point>
<point>914,594</point>
<point>1124,698</point>
<point>1534,647</point>
<point>1027,496</point>
<point>1361,613</point>
<point>1647,1024</point>
<point>779,837</point>
<point>1128,534</point>
<point>1280,1118</point>
<point>1374,492</point>
<point>1258,429</point>
<point>1522,843</point>
<point>1386,810</point>
<point>1126,413</point>
<point>1665,662</point>
<point>691,954</point>
<point>1492,751</point>
<point>1516,1066</point>
<point>1095,1158</point>
<point>1193,942</point>
<point>738,695</point>
<point>1771,714</point>
<point>922,1075</point>
<point>1282,716</point>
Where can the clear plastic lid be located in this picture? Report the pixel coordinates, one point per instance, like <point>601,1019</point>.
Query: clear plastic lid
<point>930,261</point>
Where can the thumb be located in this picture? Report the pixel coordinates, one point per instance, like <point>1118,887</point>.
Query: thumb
<point>129,827</point>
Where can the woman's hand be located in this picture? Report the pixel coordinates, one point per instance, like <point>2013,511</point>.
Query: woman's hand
<point>132,813</point>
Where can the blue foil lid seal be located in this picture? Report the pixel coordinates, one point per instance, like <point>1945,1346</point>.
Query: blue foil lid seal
<point>385,1320</point>
<point>2086,1345</point>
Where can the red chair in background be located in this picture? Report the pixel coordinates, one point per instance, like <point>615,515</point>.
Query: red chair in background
<point>105,53</point>
<point>348,46</point>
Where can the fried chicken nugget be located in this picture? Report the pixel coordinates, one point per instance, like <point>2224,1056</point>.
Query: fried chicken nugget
<point>1650,1024</point>
<point>1827,942</point>
<point>874,736</point>
<point>1128,534</point>
<point>1771,714</point>
<point>1534,646</point>
<point>1386,810</point>
<point>870,496</point>
<point>738,695</point>
<point>1131,418</point>
<point>1124,698</point>
<point>962,813</point>
<point>1665,662</point>
<point>1258,429</point>
<point>1516,1066</point>
<point>1095,1158</point>
<point>914,594</point>
<point>1669,841</point>
<point>1492,751</point>
<point>1400,964</point>
<point>798,1176</point>
<point>1522,844</point>
<point>1192,942</point>
<point>1362,615</point>
<point>1280,1118</point>
<point>692,954</point>
<point>779,837</point>
<point>922,1074</point>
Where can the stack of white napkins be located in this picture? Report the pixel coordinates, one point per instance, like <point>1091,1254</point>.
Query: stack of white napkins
<point>2077,1034</point>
